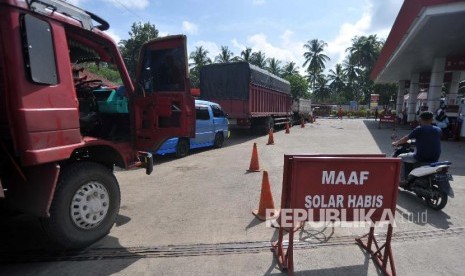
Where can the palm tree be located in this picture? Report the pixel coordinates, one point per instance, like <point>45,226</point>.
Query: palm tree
<point>289,68</point>
<point>273,66</point>
<point>245,55</point>
<point>365,50</point>
<point>200,58</point>
<point>336,80</point>
<point>350,69</point>
<point>224,56</point>
<point>315,58</point>
<point>321,92</point>
<point>258,59</point>
<point>353,75</point>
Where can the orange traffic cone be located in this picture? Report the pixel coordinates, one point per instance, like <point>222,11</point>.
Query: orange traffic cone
<point>287,128</point>
<point>254,165</point>
<point>266,201</point>
<point>270,137</point>
<point>302,123</point>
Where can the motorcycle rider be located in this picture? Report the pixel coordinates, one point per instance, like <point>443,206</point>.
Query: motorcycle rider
<point>428,143</point>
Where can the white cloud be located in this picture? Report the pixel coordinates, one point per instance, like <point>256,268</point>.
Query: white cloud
<point>377,18</point>
<point>287,49</point>
<point>258,2</point>
<point>113,35</point>
<point>129,4</point>
<point>211,47</point>
<point>237,44</point>
<point>336,49</point>
<point>162,34</point>
<point>190,27</point>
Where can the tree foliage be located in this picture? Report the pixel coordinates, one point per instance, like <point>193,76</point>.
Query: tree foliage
<point>290,68</point>
<point>200,58</point>
<point>258,59</point>
<point>130,48</point>
<point>109,72</point>
<point>273,66</point>
<point>347,81</point>
<point>225,55</point>
<point>299,86</point>
<point>315,58</point>
<point>246,55</point>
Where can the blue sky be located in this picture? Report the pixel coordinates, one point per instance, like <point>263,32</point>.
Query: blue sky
<point>279,28</point>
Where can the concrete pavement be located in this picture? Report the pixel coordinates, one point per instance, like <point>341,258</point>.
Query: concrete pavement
<point>207,198</point>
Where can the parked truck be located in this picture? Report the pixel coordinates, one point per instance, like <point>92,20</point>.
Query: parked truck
<point>62,134</point>
<point>302,109</point>
<point>252,97</point>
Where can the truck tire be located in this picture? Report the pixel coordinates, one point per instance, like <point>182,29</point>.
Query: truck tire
<point>219,140</point>
<point>182,148</point>
<point>84,207</point>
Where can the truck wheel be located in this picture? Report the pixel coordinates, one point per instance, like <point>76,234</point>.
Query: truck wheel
<point>182,149</point>
<point>84,207</point>
<point>219,140</point>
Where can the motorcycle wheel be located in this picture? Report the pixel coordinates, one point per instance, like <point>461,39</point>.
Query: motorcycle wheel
<point>439,199</point>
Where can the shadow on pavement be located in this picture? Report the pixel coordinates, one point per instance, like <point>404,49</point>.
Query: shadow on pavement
<point>238,136</point>
<point>22,241</point>
<point>419,213</point>
<point>342,270</point>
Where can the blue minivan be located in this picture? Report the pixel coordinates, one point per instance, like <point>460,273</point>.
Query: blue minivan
<point>211,130</point>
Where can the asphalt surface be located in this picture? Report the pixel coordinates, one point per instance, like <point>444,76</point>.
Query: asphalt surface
<point>193,216</point>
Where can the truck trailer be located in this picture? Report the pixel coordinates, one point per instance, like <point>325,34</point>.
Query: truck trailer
<point>302,109</point>
<point>252,97</point>
<point>62,134</point>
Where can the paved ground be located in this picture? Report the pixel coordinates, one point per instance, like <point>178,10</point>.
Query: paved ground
<point>193,216</point>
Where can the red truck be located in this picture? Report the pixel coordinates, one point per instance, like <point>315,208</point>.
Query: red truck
<point>61,135</point>
<point>252,97</point>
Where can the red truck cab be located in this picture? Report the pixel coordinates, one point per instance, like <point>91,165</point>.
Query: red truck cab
<point>63,129</point>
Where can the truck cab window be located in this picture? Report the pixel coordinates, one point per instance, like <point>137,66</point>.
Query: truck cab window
<point>39,51</point>
<point>162,70</point>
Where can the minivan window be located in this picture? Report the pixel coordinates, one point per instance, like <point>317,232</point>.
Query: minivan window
<point>202,113</point>
<point>217,112</point>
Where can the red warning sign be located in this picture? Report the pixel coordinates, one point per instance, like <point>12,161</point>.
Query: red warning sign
<point>339,188</point>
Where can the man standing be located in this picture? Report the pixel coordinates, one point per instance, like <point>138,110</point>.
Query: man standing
<point>428,143</point>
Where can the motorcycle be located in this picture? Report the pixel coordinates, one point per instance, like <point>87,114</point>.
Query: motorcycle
<point>429,181</point>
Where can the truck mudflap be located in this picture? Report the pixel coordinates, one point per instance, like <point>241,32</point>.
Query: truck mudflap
<point>147,161</point>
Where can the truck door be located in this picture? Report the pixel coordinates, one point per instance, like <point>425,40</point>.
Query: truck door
<point>163,105</point>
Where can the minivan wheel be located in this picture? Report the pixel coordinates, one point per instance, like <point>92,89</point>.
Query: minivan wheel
<point>219,140</point>
<point>182,149</point>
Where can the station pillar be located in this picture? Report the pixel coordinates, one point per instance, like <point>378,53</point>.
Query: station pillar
<point>400,97</point>
<point>457,76</point>
<point>435,85</point>
<point>412,97</point>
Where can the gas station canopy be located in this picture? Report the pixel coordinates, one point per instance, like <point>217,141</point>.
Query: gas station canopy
<point>423,30</point>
